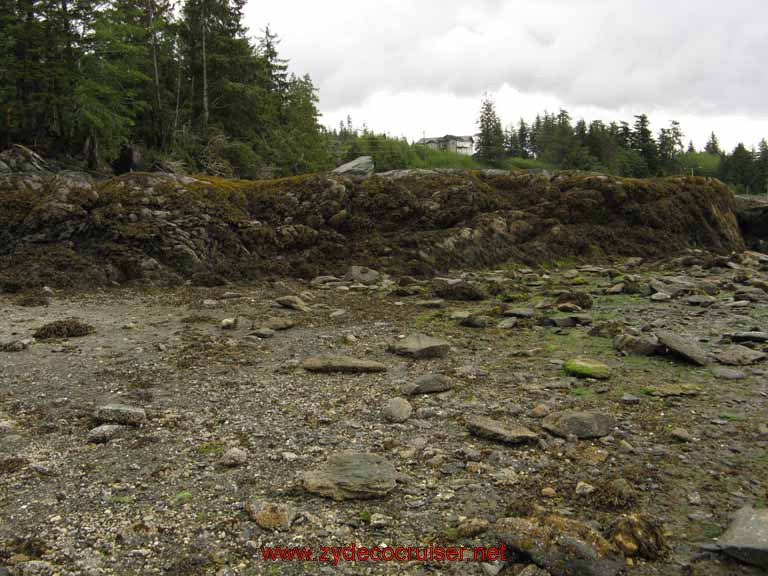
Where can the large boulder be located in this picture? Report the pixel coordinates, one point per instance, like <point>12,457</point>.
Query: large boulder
<point>361,167</point>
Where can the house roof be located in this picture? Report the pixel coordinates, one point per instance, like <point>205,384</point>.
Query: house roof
<point>446,138</point>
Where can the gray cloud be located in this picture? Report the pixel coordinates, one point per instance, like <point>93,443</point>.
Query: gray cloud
<point>704,57</point>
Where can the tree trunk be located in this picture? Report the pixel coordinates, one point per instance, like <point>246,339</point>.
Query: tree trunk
<point>160,134</point>
<point>205,74</point>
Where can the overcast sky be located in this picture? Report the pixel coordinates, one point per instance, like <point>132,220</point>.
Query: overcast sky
<point>413,67</point>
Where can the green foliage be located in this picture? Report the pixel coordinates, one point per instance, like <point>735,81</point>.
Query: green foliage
<point>490,141</point>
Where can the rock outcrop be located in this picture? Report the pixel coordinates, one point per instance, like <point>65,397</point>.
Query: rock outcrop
<point>63,229</point>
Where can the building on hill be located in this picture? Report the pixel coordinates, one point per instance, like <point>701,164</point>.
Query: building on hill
<point>457,144</point>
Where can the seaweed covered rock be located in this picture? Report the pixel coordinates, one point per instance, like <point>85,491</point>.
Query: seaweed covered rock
<point>64,230</point>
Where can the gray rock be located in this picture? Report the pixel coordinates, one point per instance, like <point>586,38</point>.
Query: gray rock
<point>507,323</point>
<point>637,345</point>
<point>293,303</point>
<point>748,336</point>
<point>362,275</point>
<point>121,414</point>
<point>421,346</point>
<point>698,300</point>
<point>263,333</point>
<point>234,457</point>
<point>519,313</point>
<point>429,384</point>
<point>738,355</point>
<point>682,347</point>
<point>229,324</point>
<point>747,537</point>
<point>343,364</point>
<point>579,424</point>
<point>728,373</point>
<point>361,167</point>
<point>398,410</point>
<point>352,475</point>
<point>491,429</point>
<point>104,433</point>
<point>476,322</point>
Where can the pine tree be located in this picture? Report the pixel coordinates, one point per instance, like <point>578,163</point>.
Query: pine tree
<point>712,146</point>
<point>490,145</point>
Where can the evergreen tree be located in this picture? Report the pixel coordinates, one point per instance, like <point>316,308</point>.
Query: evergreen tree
<point>712,146</point>
<point>490,144</point>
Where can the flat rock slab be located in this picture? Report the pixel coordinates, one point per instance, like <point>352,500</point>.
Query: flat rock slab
<point>342,364</point>
<point>728,373</point>
<point>491,429</point>
<point>562,546</point>
<point>421,346</point>
<point>682,347</point>
<point>749,336</point>
<point>738,355</point>
<point>293,303</point>
<point>519,313</point>
<point>587,368</point>
<point>120,414</point>
<point>747,537</point>
<point>428,384</point>
<point>104,433</point>
<point>637,345</point>
<point>580,424</point>
<point>352,475</point>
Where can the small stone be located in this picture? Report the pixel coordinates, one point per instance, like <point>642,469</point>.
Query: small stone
<point>362,275</point>
<point>582,489</point>
<point>379,520</point>
<point>661,297</point>
<point>549,492</point>
<point>637,345</point>
<point>104,433</point>
<point>703,301</point>
<point>293,303</point>
<point>485,427</point>
<point>342,364</point>
<point>270,515</point>
<point>421,346</point>
<point>121,414</point>
<point>229,324</point>
<point>437,303</point>
<point>350,475</point>
<point>681,434</point>
<point>630,399</point>
<point>539,411</point>
<point>507,324</point>
<point>587,368</point>
<point>519,312</point>
<point>580,424</point>
<point>638,536</point>
<point>738,355</point>
<point>398,410</point>
<point>428,384</point>
<point>476,322</point>
<point>234,457</point>
<point>728,373</point>
<point>278,324</point>
<point>263,333</point>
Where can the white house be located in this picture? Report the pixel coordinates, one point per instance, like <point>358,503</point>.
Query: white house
<point>457,144</point>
